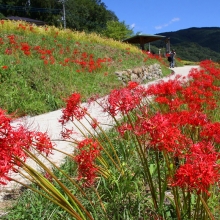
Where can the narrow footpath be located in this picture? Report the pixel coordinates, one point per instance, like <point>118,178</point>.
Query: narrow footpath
<point>49,123</point>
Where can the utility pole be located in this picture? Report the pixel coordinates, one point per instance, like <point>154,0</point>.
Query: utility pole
<point>27,7</point>
<point>64,13</point>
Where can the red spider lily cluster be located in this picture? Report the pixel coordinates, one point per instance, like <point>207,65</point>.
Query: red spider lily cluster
<point>87,150</point>
<point>200,169</point>
<point>14,144</point>
<point>124,100</point>
<point>73,109</point>
<point>86,154</point>
<point>58,54</point>
<point>149,55</point>
<point>181,128</point>
<point>71,54</point>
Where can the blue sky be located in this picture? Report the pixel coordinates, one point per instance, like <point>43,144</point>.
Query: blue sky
<point>158,16</point>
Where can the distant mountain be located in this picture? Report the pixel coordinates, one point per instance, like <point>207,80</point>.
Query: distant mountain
<point>194,44</point>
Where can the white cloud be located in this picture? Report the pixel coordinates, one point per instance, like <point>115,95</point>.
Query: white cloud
<point>174,20</point>
<point>167,24</point>
<point>132,26</point>
<point>158,27</point>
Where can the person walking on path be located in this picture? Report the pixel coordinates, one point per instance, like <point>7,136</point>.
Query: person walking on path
<point>172,59</point>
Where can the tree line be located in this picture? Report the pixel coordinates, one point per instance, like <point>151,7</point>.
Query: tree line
<point>80,15</point>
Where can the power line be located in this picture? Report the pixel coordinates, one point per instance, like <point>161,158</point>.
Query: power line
<point>30,9</point>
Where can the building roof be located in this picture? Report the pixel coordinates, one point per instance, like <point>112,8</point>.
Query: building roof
<point>143,38</point>
<point>29,20</point>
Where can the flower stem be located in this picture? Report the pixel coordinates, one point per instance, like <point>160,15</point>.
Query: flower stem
<point>206,208</point>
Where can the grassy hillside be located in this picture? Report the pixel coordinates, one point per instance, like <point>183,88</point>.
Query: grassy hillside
<point>159,161</point>
<point>195,44</point>
<point>40,66</point>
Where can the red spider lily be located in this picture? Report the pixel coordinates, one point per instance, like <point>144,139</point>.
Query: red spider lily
<point>49,52</point>
<point>124,128</point>
<point>56,34</point>
<point>76,51</point>
<point>88,62</point>
<point>31,28</point>
<point>52,60</point>
<point>162,133</point>
<point>4,67</point>
<point>173,104</point>
<point>37,47</point>
<point>201,79</point>
<point>66,60</point>
<point>211,132</point>
<point>61,51</point>
<point>42,51</point>
<point>27,52</point>
<point>196,98</point>
<point>1,41</point>
<point>42,143</point>
<point>210,68</point>
<point>87,152</point>
<point>48,177</point>
<point>94,123</point>
<point>13,145</point>
<point>84,55</point>
<point>172,87</point>
<point>194,118</point>
<point>200,170</point>
<point>66,133</point>
<point>162,100</point>
<point>199,92</point>
<point>93,98</point>
<point>125,99</point>
<point>46,62</point>
<point>132,85</point>
<point>73,109</point>
<point>25,46</point>
<point>12,39</point>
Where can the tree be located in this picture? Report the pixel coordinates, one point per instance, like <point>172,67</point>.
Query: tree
<point>88,15</point>
<point>47,11</point>
<point>117,30</point>
<point>1,16</point>
<point>81,15</point>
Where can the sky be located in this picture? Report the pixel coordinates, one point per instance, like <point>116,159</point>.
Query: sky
<point>158,16</point>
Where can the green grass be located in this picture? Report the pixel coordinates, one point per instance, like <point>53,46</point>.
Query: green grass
<point>187,62</point>
<point>122,195</point>
<point>29,87</point>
